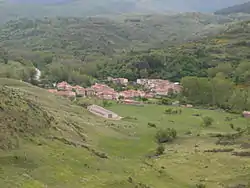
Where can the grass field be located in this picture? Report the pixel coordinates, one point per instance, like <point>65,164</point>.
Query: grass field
<point>66,154</point>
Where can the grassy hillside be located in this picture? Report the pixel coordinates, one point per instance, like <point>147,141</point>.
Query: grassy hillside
<point>240,8</point>
<point>62,145</point>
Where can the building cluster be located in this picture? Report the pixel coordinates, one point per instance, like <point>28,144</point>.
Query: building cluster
<point>159,86</point>
<point>153,87</point>
<point>121,81</point>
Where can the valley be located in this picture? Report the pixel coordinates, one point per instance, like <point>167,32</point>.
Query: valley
<point>128,94</point>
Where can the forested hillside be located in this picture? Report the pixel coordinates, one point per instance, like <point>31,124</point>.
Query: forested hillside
<point>72,49</point>
<point>205,57</point>
<point>105,34</point>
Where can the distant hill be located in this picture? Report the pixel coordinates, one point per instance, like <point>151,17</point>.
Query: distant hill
<point>241,8</point>
<point>12,9</point>
<point>106,35</point>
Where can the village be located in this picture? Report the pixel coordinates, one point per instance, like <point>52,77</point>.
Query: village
<point>151,89</point>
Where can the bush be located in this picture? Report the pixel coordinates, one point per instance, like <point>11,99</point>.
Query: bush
<point>152,125</point>
<point>228,119</point>
<point>168,111</point>
<point>188,133</point>
<point>84,104</point>
<point>200,185</point>
<point>207,121</point>
<point>160,149</point>
<point>167,135</point>
<point>173,111</point>
<point>129,118</point>
<point>106,103</point>
<point>166,101</point>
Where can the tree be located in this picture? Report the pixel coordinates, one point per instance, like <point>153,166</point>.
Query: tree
<point>223,68</point>
<point>165,135</point>
<point>160,149</point>
<point>207,121</point>
<point>4,55</point>
<point>197,90</point>
<point>242,72</point>
<point>221,91</point>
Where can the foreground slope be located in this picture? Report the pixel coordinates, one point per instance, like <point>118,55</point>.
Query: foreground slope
<point>62,145</point>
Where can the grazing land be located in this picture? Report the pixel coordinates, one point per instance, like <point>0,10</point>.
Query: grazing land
<point>78,149</point>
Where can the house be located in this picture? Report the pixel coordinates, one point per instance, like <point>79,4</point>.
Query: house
<point>97,110</point>
<point>132,93</point>
<point>68,94</point>
<point>246,114</point>
<point>161,91</point>
<point>121,81</point>
<point>189,105</point>
<point>142,81</point>
<point>89,92</point>
<point>101,87</point>
<point>108,95</point>
<point>80,91</point>
<point>52,90</point>
<point>149,95</point>
<point>64,86</point>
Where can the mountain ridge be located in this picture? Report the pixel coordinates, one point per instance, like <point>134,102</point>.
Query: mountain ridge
<point>240,8</point>
<point>12,9</point>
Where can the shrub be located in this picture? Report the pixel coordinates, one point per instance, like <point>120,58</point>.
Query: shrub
<point>200,185</point>
<point>166,135</point>
<point>166,101</point>
<point>207,121</point>
<point>84,104</point>
<point>143,99</point>
<point>188,133</point>
<point>228,119</point>
<point>231,125</point>
<point>168,111</point>
<point>173,111</point>
<point>106,103</point>
<point>152,125</point>
<point>160,149</point>
<point>238,129</point>
<point>129,118</point>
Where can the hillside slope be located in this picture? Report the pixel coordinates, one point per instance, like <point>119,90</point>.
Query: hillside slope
<point>240,8</point>
<point>50,142</point>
